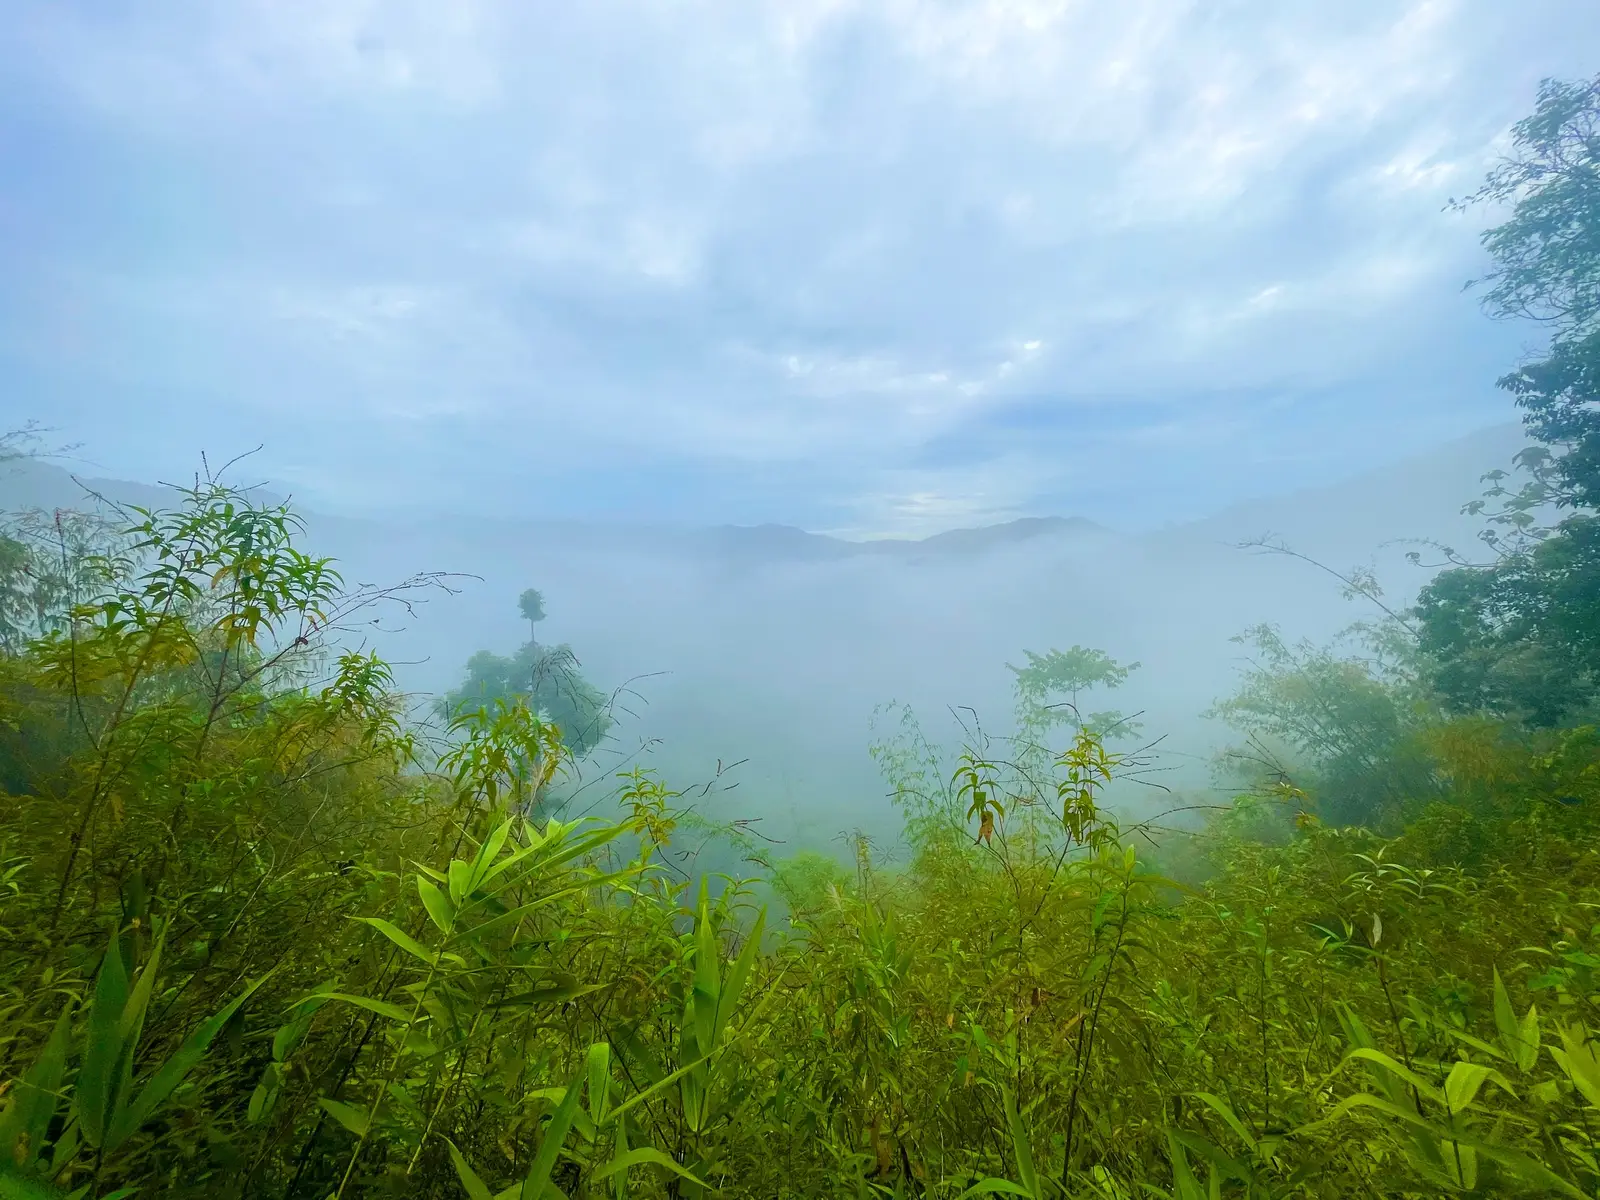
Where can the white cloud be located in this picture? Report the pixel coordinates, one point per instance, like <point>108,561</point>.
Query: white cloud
<point>798,230</point>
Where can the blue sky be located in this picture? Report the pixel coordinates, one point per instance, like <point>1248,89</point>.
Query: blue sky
<point>866,267</point>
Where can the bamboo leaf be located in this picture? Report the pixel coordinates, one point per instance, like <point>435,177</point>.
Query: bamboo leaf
<point>707,981</point>
<point>94,1095</point>
<point>382,1007</point>
<point>438,905</point>
<point>555,1134</point>
<point>1519,1038</point>
<point>173,1072</point>
<point>738,973</point>
<point>460,876</point>
<point>654,1089</point>
<point>1021,1144</point>
<point>1221,1107</point>
<point>554,994</point>
<point>995,1187</point>
<point>476,1188</point>
<point>497,923</point>
<point>32,1104</point>
<point>646,1156</point>
<point>599,1081</point>
<point>352,1116</point>
<point>1397,1069</point>
<point>1465,1078</point>
<point>1577,1059</point>
<point>488,852</point>
<point>1529,1046</point>
<point>1184,1184</point>
<point>401,938</point>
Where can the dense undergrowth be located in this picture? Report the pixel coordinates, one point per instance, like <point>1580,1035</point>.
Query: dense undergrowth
<point>260,937</point>
<point>263,936</point>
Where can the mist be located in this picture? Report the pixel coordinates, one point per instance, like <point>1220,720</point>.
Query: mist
<point>746,662</point>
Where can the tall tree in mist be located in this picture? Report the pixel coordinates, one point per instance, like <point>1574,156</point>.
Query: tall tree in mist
<point>546,678</point>
<point>1050,687</point>
<point>1520,636</point>
<point>531,605</point>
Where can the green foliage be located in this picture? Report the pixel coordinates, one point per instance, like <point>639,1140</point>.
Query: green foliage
<point>1048,689</point>
<point>544,678</point>
<point>1520,636</point>
<point>258,938</point>
<point>265,942</point>
<point>1345,720</point>
<point>531,605</point>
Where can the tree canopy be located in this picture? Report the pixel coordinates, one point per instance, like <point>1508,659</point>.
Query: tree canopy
<point>1521,635</point>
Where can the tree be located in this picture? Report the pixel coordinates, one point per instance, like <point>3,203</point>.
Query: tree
<point>1547,268</point>
<point>1049,686</point>
<point>546,678</point>
<point>1520,636</point>
<point>531,605</point>
<point>1347,716</point>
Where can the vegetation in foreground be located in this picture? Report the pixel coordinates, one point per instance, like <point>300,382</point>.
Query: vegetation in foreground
<point>261,937</point>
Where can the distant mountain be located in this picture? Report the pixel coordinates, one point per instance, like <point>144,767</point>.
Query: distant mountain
<point>987,537</point>
<point>1417,497</point>
<point>789,543</point>
<point>40,483</point>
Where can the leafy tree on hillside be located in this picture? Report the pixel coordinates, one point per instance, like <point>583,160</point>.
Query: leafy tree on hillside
<point>1520,636</point>
<point>1346,719</point>
<point>545,678</point>
<point>1049,687</point>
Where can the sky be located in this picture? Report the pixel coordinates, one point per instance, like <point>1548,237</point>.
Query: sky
<point>867,268</point>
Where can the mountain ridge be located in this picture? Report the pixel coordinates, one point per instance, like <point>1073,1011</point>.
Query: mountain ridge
<point>39,483</point>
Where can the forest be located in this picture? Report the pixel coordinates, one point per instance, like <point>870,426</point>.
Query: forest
<point>265,931</point>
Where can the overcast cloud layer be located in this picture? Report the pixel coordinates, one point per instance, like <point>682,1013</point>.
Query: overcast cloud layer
<point>869,267</point>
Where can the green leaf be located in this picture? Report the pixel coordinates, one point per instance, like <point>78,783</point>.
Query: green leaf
<point>646,1156</point>
<point>382,1007</point>
<point>438,905</point>
<point>1465,1078</point>
<point>32,1104</point>
<point>555,1134</point>
<point>460,875</point>
<point>265,1096</point>
<point>1021,1144</point>
<point>599,1082</point>
<point>1184,1184</point>
<point>94,1093</point>
<point>1213,1155</point>
<point>1396,1069</point>
<point>658,1086</point>
<point>1529,1046</point>
<point>993,1187</point>
<point>401,938</point>
<point>173,1072</point>
<point>554,994</point>
<point>483,861</point>
<point>707,983</point>
<point>1224,1110</point>
<point>1577,1059</point>
<point>1520,1038</point>
<point>503,920</point>
<point>738,973</point>
<point>476,1188</point>
<point>352,1116</point>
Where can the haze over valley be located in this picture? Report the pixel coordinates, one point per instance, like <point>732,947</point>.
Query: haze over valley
<point>770,647</point>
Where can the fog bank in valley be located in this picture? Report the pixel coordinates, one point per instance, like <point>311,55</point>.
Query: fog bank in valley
<point>769,648</point>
